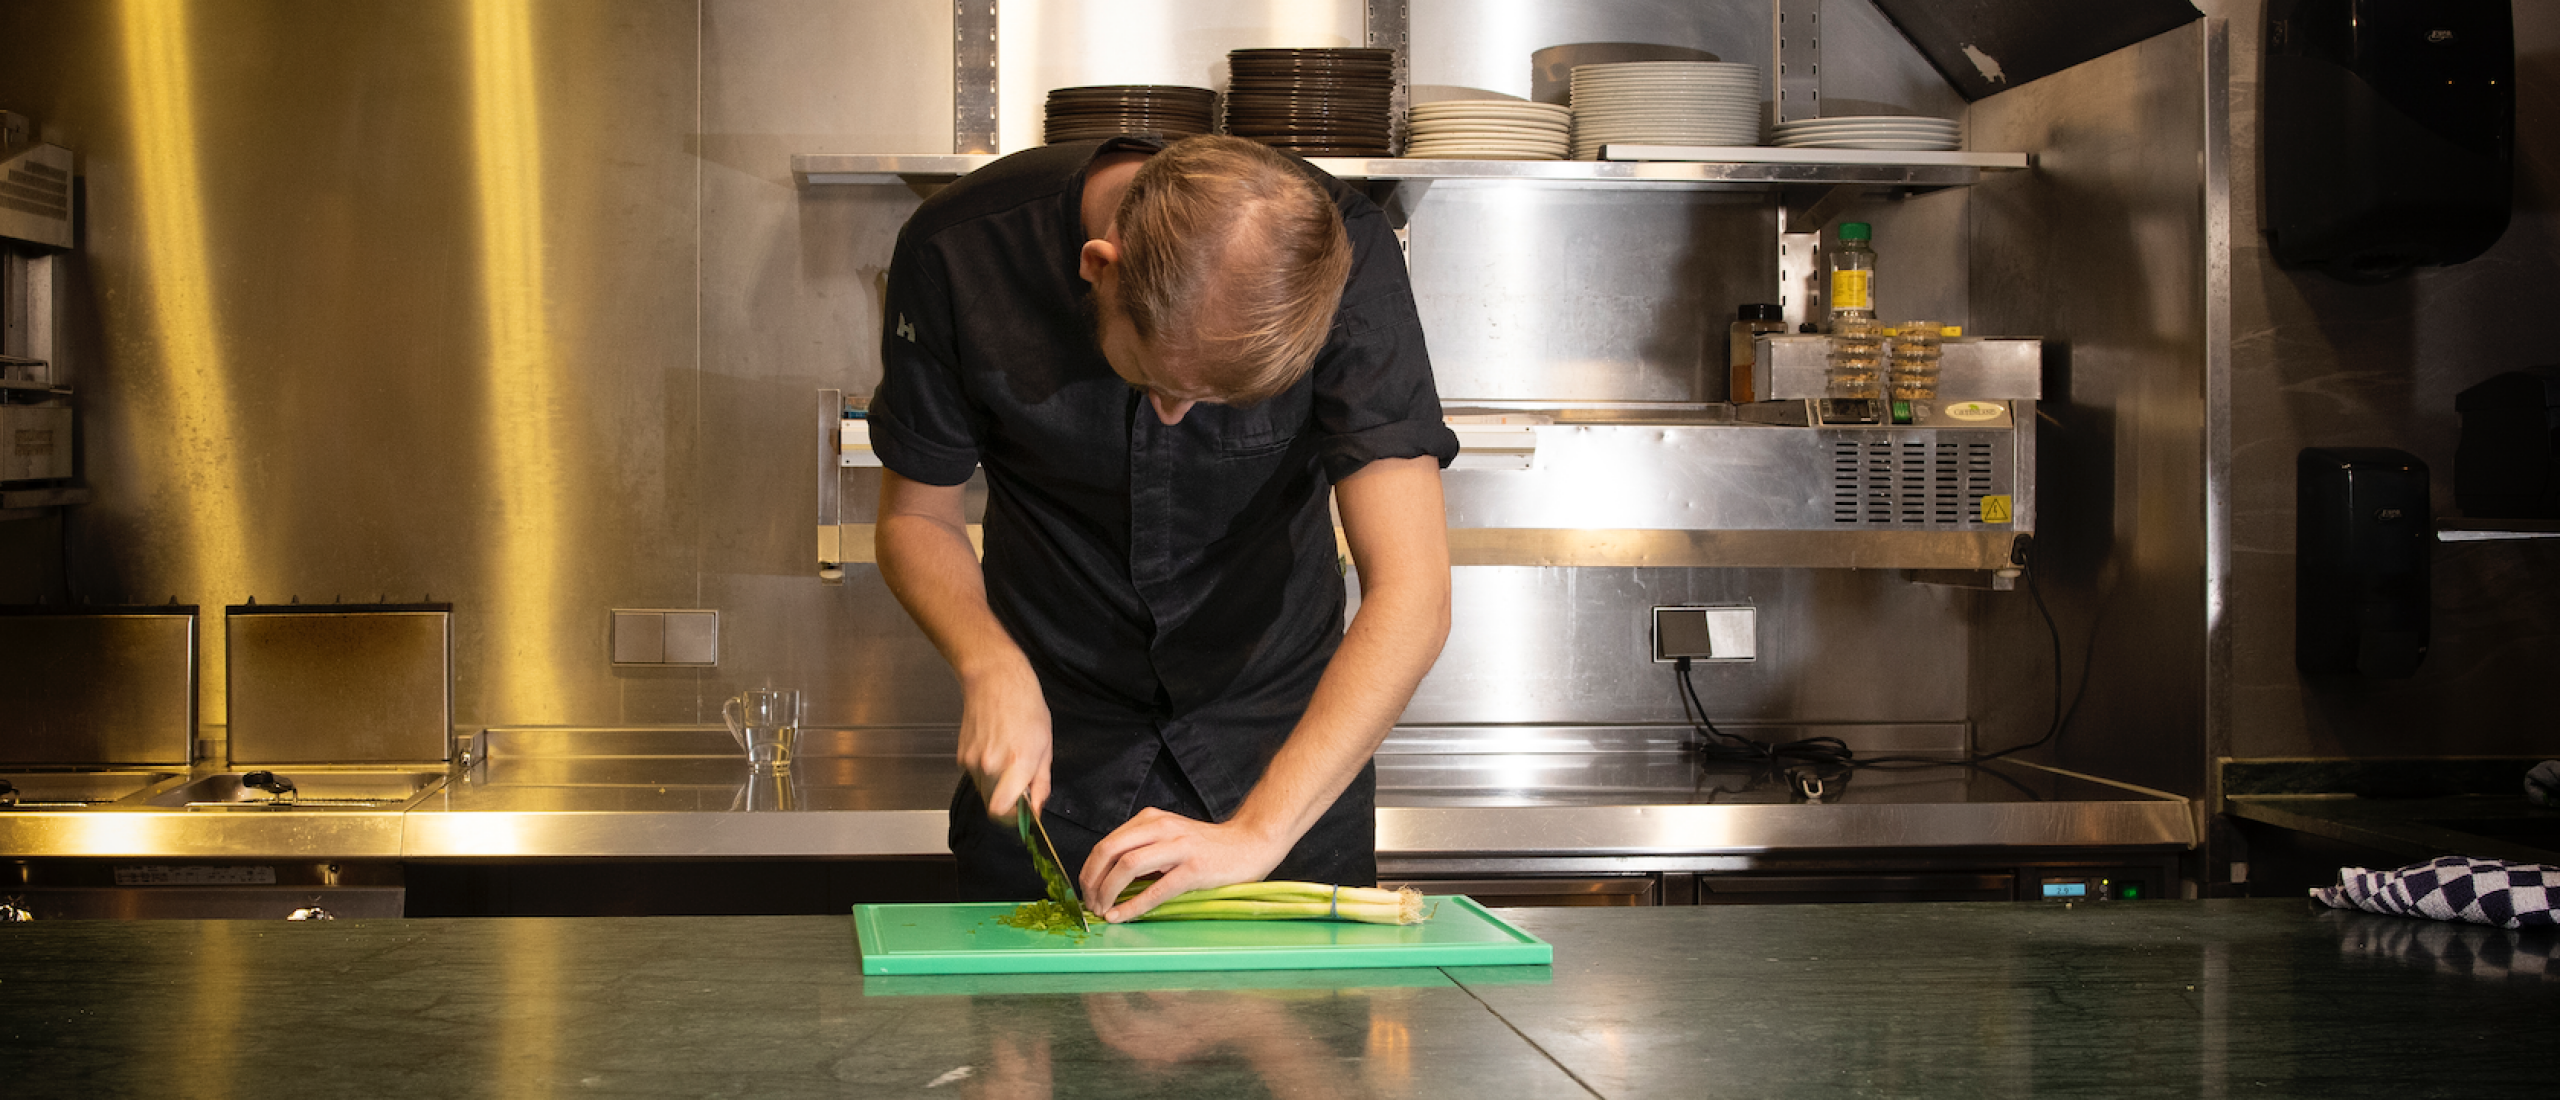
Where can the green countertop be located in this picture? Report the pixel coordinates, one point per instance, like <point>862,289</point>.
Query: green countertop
<point>2267,997</point>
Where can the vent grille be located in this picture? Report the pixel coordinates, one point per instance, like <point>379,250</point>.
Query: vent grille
<point>37,194</point>
<point>34,188</point>
<point>1902,480</point>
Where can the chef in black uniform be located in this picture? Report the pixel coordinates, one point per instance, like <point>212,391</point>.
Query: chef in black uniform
<point>1164,357</point>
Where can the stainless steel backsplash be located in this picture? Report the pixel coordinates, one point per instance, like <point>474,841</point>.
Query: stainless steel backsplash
<point>517,306</point>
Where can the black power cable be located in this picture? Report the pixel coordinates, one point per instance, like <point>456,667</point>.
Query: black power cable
<point>1827,759</point>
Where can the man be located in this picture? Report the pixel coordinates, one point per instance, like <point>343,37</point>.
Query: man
<point>1163,356</point>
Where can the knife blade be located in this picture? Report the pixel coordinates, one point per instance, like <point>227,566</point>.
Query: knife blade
<point>1044,859</point>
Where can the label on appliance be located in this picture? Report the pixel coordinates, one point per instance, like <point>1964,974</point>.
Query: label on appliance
<point>1975,410</point>
<point>35,441</point>
<point>152,875</point>
<point>1995,509</point>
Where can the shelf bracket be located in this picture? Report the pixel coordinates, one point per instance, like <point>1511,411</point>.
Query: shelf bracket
<point>1398,198</point>
<point>1812,217</point>
<point>1800,225</point>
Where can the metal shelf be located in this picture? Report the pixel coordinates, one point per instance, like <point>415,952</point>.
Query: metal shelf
<point>1669,167</point>
<point>41,371</point>
<point>16,504</point>
<point>2496,530</point>
<point>1561,489</point>
<point>1572,507</point>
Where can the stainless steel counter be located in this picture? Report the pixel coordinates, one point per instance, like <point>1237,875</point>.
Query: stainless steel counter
<point>683,793</point>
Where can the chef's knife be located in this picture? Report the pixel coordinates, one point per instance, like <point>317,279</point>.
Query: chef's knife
<point>1044,859</point>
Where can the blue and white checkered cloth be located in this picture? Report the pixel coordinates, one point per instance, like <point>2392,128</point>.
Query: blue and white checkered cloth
<point>2480,891</point>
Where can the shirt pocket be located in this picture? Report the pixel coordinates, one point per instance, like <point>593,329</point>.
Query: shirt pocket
<point>1266,429</point>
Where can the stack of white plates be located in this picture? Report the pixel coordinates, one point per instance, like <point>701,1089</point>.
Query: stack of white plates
<point>1488,129</point>
<point>1665,103</point>
<point>1895,132</point>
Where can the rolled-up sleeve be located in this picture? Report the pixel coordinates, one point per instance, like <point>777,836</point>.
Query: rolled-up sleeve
<point>923,423</point>
<point>1374,397</point>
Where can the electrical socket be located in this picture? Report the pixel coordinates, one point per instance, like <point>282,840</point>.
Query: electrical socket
<point>687,636</point>
<point>1705,634</point>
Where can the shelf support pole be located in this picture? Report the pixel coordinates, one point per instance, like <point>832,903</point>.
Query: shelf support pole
<point>973,76</point>
<point>1797,27</point>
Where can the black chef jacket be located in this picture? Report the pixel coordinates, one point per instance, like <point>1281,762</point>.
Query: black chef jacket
<point>1177,589</point>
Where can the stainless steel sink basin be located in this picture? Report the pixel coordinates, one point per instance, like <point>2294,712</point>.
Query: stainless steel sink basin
<point>74,790</point>
<point>301,789</point>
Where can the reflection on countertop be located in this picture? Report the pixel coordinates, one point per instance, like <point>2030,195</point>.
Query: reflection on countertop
<point>2207,998</point>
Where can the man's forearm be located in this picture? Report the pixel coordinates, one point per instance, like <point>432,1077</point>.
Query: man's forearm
<point>928,564</point>
<point>1390,645</point>
<point>1392,517</point>
<point>923,544</point>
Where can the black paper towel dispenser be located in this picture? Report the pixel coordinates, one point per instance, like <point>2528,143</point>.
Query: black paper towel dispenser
<point>2388,132</point>
<point>2363,540</point>
<point>2509,463</point>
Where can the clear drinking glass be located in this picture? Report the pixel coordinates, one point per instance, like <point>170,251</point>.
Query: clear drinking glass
<point>766,723</point>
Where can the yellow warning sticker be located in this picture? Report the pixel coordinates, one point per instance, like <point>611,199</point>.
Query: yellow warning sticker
<point>1995,509</point>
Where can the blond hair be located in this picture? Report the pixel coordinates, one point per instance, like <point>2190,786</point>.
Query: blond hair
<point>1233,261</point>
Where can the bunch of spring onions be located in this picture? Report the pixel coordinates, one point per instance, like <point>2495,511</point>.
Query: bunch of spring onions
<point>1289,901</point>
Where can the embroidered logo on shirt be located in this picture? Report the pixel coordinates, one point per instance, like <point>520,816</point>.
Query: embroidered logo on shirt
<point>906,332</point>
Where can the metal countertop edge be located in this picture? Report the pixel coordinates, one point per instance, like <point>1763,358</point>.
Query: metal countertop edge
<point>1530,831</point>
<point>2383,828</point>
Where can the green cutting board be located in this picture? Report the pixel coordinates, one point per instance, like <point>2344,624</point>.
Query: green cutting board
<point>968,938</point>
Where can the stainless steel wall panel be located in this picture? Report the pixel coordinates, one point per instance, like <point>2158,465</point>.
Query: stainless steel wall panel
<point>373,383</point>
<point>1045,44</point>
<point>1737,477</point>
<point>300,394</point>
<point>2103,251</point>
<point>1485,44</point>
<point>1563,294</point>
<point>2317,363</point>
<point>1529,645</point>
<point>601,449</point>
<point>339,686</point>
<point>103,688</point>
<point>1871,69</point>
<point>790,295</point>
<point>1627,295</point>
<point>1922,257</point>
<point>1580,295</point>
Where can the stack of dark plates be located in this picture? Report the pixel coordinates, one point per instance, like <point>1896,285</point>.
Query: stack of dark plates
<point>1109,110</point>
<point>1313,102</point>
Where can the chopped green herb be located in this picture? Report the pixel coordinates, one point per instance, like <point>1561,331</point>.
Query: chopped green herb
<point>1041,916</point>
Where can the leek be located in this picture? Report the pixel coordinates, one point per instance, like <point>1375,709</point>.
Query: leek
<point>1289,901</point>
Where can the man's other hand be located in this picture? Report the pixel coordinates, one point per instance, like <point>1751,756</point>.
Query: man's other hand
<point>1186,854</point>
